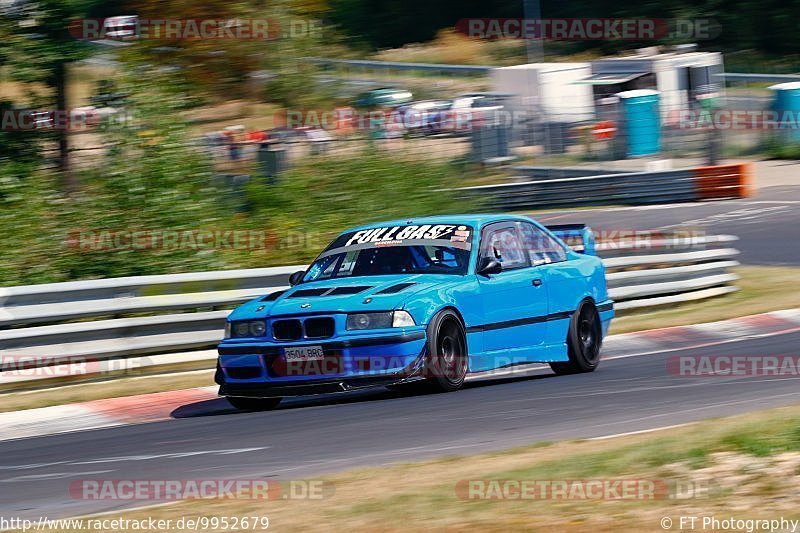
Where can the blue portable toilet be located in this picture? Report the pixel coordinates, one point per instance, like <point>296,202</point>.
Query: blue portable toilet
<point>786,102</point>
<point>640,122</point>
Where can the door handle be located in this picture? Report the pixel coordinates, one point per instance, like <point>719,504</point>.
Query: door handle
<point>536,282</point>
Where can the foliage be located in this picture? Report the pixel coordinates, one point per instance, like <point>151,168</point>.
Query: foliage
<point>393,23</point>
<point>332,193</point>
<point>154,180</point>
<point>779,147</point>
<point>766,26</point>
<point>35,38</point>
<point>36,47</point>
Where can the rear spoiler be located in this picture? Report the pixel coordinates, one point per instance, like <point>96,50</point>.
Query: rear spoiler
<point>579,237</point>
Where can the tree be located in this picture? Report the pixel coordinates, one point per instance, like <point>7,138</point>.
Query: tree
<point>37,49</point>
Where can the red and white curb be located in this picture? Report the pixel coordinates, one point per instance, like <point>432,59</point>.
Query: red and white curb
<point>160,406</point>
<point>99,413</point>
<point>700,335</point>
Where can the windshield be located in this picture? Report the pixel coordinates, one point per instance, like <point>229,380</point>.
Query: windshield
<point>423,249</point>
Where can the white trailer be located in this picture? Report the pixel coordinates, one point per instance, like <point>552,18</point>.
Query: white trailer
<point>547,89</point>
<point>679,76</point>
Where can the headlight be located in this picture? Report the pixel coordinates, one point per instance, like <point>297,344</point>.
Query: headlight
<point>258,328</point>
<point>254,328</point>
<point>390,319</point>
<point>401,319</point>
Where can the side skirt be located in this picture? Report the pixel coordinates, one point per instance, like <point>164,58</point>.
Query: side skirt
<point>553,353</point>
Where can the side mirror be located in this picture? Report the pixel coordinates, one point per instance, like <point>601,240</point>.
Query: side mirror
<point>488,266</point>
<point>296,277</point>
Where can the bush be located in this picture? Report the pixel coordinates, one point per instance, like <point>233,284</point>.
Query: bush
<point>321,197</point>
<point>167,187</point>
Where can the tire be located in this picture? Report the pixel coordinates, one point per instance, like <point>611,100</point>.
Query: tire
<point>584,339</point>
<point>253,404</point>
<point>446,361</point>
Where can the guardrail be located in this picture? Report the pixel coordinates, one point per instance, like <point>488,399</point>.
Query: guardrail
<point>528,173</point>
<point>756,78</point>
<point>42,331</point>
<point>583,187</point>
<point>645,272</point>
<point>372,64</point>
<point>402,66</point>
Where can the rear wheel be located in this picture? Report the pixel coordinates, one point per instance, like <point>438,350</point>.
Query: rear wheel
<point>446,360</point>
<point>253,404</point>
<point>583,341</point>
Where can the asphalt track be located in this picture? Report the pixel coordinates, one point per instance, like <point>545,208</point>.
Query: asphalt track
<point>768,226</point>
<point>307,437</point>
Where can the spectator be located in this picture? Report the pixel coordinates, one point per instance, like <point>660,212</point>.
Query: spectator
<point>232,137</point>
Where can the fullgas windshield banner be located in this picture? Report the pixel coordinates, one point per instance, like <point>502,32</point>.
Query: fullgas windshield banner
<point>448,235</point>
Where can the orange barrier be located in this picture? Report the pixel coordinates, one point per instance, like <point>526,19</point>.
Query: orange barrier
<point>724,181</point>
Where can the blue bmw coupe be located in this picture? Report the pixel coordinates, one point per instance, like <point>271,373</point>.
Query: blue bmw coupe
<point>422,300</point>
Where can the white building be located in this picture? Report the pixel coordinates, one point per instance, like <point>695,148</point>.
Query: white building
<point>547,89</point>
<point>570,92</point>
<point>679,77</point>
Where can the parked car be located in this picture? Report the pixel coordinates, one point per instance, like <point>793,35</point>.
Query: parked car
<point>383,97</point>
<point>470,110</point>
<point>425,116</point>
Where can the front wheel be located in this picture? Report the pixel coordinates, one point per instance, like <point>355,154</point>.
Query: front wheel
<point>253,404</point>
<point>446,360</point>
<point>583,341</point>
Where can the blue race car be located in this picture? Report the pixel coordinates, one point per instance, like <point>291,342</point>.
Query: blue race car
<point>427,299</point>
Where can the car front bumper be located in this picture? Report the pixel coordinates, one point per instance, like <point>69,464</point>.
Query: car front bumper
<point>259,370</point>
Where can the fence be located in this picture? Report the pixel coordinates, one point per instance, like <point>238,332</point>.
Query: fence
<point>50,339</point>
<point>436,68</point>
<point>490,137</point>
<point>538,138</point>
<point>539,187</point>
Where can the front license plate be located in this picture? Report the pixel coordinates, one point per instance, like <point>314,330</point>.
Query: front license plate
<point>303,353</point>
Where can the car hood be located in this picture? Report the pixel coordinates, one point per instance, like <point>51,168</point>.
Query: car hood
<point>364,293</point>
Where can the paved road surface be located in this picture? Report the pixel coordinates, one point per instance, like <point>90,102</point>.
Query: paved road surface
<point>308,437</point>
<point>768,225</point>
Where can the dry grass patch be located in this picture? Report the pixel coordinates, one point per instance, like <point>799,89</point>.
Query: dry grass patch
<point>755,456</point>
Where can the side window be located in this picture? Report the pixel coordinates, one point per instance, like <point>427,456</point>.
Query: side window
<point>504,245</point>
<point>540,246</point>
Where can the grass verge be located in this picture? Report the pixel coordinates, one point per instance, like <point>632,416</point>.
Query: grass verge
<point>749,463</point>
